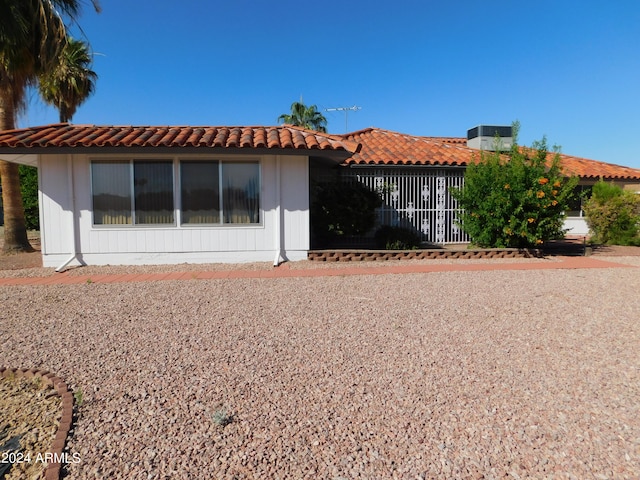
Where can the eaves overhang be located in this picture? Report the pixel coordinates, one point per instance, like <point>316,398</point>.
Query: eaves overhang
<point>169,140</point>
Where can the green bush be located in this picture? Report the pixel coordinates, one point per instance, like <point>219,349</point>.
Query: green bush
<point>514,199</point>
<point>613,215</point>
<point>341,208</point>
<point>396,238</point>
<point>29,189</point>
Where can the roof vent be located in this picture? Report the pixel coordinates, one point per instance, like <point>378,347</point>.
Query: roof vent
<point>483,137</point>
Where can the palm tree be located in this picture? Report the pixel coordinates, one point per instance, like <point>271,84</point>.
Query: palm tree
<point>71,81</point>
<point>32,35</point>
<point>303,116</point>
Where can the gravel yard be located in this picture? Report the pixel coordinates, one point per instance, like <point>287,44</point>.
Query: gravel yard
<point>488,374</point>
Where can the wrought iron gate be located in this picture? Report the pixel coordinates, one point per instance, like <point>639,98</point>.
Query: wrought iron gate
<point>416,198</point>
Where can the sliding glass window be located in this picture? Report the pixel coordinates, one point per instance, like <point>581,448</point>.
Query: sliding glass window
<point>220,192</point>
<point>241,192</point>
<point>141,192</point>
<point>111,187</point>
<point>200,190</point>
<point>153,187</point>
<point>147,200</point>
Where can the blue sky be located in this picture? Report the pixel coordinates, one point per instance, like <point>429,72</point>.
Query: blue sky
<point>566,69</point>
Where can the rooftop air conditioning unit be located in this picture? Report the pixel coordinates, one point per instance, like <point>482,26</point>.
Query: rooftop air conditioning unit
<point>484,137</point>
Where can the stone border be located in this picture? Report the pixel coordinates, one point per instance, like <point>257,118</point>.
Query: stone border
<point>381,255</point>
<point>52,470</point>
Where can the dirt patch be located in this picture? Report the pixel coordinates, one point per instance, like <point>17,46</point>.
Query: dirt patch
<point>575,246</point>
<point>616,251</point>
<point>21,260</point>
<point>31,416</point>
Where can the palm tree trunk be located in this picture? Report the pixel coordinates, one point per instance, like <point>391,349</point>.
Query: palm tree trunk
<point>15,230</point>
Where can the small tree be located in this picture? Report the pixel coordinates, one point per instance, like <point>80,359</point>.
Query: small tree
<point>514,199</point>
<point>613,215</point>
<point>343,209</point>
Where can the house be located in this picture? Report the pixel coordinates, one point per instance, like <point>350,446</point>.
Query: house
<point>414,174</point>
<point>159,195</point>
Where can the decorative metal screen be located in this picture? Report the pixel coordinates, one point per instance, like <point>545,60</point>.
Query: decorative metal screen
<point>416,198</point>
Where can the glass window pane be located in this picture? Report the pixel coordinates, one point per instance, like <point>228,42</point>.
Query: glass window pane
<point>241,192</point>
<point>153,187</point>
<point>200,190</point>
<point>111,191</point>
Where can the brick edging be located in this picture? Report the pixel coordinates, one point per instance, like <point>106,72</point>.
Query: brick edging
<point>52,470</point>
<point>382,255</point>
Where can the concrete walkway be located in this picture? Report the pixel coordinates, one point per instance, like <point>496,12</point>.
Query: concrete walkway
<point>284,271</point>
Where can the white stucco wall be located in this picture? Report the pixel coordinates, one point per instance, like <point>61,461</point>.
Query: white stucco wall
<point>576,226</point>
<point>134,245</point>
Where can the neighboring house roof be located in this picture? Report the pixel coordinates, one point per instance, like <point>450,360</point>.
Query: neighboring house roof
<point>282,138</point>
<point>388,148</point>
<point>594,169</point>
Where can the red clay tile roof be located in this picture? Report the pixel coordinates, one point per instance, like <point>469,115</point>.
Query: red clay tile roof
<point>284,137</point>
<point>384,147</point>
<point>371,146</point>
<point>594,169</point>
<point>452,140</point>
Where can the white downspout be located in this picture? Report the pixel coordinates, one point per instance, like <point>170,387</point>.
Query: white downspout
<point>72,193</point>
<point>278,222</point>
<point>43,229</point>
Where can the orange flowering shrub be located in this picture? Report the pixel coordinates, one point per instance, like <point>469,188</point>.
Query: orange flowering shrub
<point>515,199</point>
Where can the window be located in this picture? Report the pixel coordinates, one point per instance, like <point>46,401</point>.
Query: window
<point>111,187</point>
<point>241,192</point>
<point>141,192</point>
<point>153,189</point>
<point>220,192</point>
<point>147,200</point>
<point>200,191</point>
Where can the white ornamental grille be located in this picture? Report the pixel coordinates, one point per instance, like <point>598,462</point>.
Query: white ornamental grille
<point>417,198</point>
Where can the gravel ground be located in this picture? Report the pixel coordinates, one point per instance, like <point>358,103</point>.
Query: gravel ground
<point>493,374</point>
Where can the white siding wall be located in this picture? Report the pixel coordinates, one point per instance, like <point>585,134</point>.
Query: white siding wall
<point>176,244</point>
<point>56,217</point>
<point>295,205</point>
